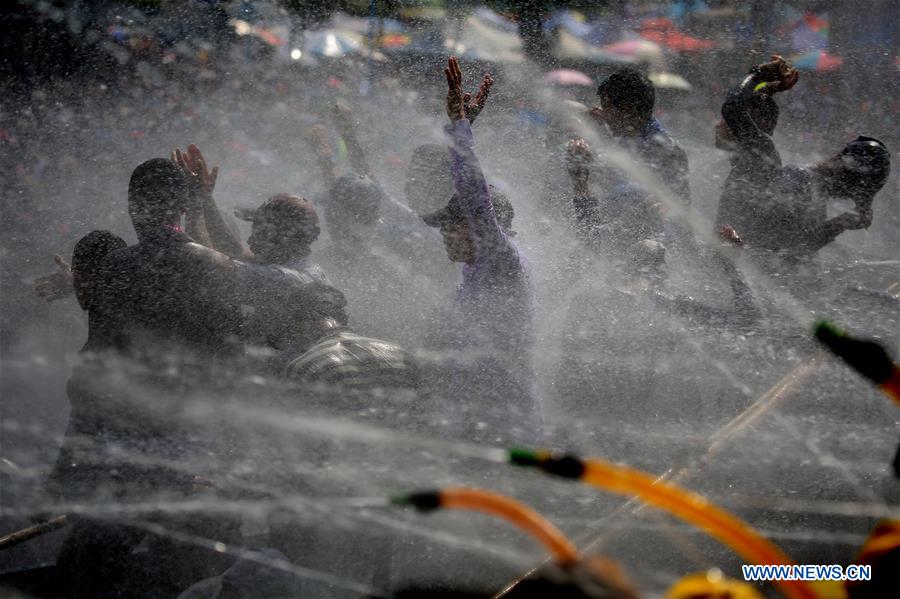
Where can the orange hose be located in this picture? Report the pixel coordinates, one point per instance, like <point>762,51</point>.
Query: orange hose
<point>517,513</point>
<point>697,510</point>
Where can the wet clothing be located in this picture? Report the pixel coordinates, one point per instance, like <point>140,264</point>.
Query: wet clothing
<point>490,324</point>
<point>168,293</point>
<point>166,314</point>
<point>661,153</point>
<point>268,297</point>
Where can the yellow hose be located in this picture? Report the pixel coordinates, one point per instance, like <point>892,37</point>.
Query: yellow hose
<point>700,512</point>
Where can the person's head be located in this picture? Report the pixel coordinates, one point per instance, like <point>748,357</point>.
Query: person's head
<point>764,111</point>
<point>454,226</point>
<point>858,172</point>
<point>646,259</point>
<point>428,180</point>
<point>354,205</point>
<point>157,195</point>
<point>89,252</point>
<point>626,101</point>
<point>284,227</point>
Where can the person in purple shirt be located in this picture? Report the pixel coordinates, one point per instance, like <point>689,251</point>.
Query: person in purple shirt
<point>487,336</point>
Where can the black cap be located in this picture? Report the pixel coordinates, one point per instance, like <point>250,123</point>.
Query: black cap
<point>453,212</point>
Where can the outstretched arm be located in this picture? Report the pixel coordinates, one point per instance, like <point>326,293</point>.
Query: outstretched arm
<point>57,286</point>
<point>588,221</point>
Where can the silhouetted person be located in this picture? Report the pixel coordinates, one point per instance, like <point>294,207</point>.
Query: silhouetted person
<point>626,106</point>
<point>783,208</point>
<point>166,293</point>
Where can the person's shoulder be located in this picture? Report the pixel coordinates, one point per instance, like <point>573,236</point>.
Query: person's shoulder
<point>666,145</point>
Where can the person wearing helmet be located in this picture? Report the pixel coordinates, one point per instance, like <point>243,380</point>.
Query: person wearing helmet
<point>857,172</point>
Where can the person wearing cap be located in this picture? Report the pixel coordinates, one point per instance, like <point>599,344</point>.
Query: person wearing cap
<point>492,398</point>
<point>284,228</point>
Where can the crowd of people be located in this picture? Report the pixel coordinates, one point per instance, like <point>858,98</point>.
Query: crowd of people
<point>193,306</point>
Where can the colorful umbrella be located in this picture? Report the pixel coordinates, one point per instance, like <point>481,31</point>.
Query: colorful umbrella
<point>810,32</point>
<point>817,60</point>
<point>669,81</point>
<point>568,77</point>
<point>663,32</point>
<point>639,49</point>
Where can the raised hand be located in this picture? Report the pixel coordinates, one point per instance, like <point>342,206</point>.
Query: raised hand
<point>778,74</point>
<point>201,180</point>
<point>578,158</point>
<point>456,107</point>
<point>730,236</point>
<point>462,105</point>
<point>342,114</point>
<point>58,285</point>
<point>317,137</point>
<point>474,107</point>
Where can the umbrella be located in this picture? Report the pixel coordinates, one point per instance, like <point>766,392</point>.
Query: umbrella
<point>568,77</point>
<point>670,81</point>
<point>638,49</point>
<point>810,32</point>
<point>817,60</point>
<point>663,32</point>
<point>329,43</point>
<point>569,46</point>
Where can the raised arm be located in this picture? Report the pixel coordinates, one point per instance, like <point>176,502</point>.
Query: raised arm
<point>204,219</point>
<point>317,137</point>
<point>767,78</point>
<point>343,120</point>
<point>468,178</point>
<point>588,220</point>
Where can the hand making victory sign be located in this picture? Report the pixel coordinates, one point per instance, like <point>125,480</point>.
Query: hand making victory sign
<point>461,105</point>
